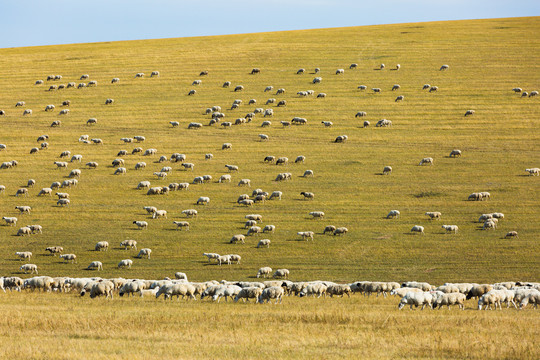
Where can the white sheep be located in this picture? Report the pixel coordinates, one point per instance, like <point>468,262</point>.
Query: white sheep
<point>190,212</point>
<point>63,202</point>
<point>144,252</point>
<point>533,171</point>
<point>306,235</point>
<point>141,225</point>
<point>418,229</point>
<point>23,209</point>
<point>69,257</point>
<point>450,228</point>
<point>10,221</point>
<point>159,214</point>
<point>29,267</point>
<point>426,160</point>
<point>226,146</point>
<point>317,214</point>
<point>129,243</point>
<point>125,263</point>
<point>203,200</point>
<point>434,215</point>
<point>120,171</point>
<point>181,224</point>
<point>264,272</point>
<point>101,245</point>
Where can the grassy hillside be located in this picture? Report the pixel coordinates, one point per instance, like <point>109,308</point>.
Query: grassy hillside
<point>487,59</point>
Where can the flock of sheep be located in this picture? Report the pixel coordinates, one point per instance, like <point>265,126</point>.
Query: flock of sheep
<point>413,295</point>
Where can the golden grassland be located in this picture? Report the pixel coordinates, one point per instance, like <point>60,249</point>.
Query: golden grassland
<point>487,58</point>
<point>70,327</point>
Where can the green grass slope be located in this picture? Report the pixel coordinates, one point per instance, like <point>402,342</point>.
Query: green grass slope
<point>487,58</point>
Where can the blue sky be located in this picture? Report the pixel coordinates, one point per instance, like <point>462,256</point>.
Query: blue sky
<point>48,22</point>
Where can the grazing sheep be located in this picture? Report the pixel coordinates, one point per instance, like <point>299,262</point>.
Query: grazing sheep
<point>75,173</point>
<point>38,82</point>
<point>159,214</point>
<point>341,139</point>
<point>22,191</point>
<point>129,243</point>
<point>144,252</point>
<point>125,263</point>
<point>25,230</point>
<point>455,153</point>
<point>433,88</point>
<point>308,195</point>
<point>190,212</point>
<point>10,221</point>
<point>433,215</point>
<point>244,182</point>
<point>533,93</point>
<point>263,137</point>
<point>340,231</point>
<point>141,225</point>
<point>238,88</point>
<point>300,158</point>
<point>62,202</point>
<point>76,158</point>
<point>400,98</point>
<point>308,173</point>
<point>362,87</point>
<point>444,67</point>
<point>45,191</point>
<point>255,217</point>
<point>255,71</point>
<point>101,245</point>
<point>203,200</point>
<point>306,235</point>
<point>226,84</point>
<point>181,224</point>
<point>427,160</point>
<point>120,171</point>
<point>393,214</point>
<point>415,298</point>
<point>109,101</point>
<point>418,229</point>
<point>24,255</point>
<point>97,141</point>
<point>154,73</point>
<point>226,146</point>
<point>91,121</point>
<point>317,80</point>
<point>139,75</point>
<point>55,250</point>
<point>29,267</point>
<point>25,112</point>
<point>253,230</point>
<point>69,257</point>
<point>281,273</point>
<point>275,194</point>
<point>264,272</point>
<point>450,228</point>
<point>533,171</point>
<point>512,234</point>
<point>469,112</point>
<point>329,229</point>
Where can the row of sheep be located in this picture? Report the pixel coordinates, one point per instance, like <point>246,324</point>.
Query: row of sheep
<point>414,294</point>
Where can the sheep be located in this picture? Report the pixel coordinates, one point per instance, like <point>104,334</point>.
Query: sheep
<point>3,147</point>
<point>533,93</point>
<point>317,214</point>
<point>129,243</point>
<point>253,230</point>
<point>314,288</point>
<point>341,139</point>
<point>55,250</point>
<point>265,124</point>
<point>45,191</point>
<point>97,141</point>
<point>190,212</point>
<point>75,173</point>
<point>244,182</point>
<point>339,290</point>
<point>10,221</point>
<point>23,255</point>
<point>281,102</point>
<point>53,87</point>
<point>489,224</point>
<point>418,229</point>
<point>249,223</point>
<point>181,224</point>
<point>141,225</point>
<point>269,228</point>
<point>485,195</point>
<point>321,95</point>
<point>426,160</point>
<point>159,214</point>
<point>62,202</point>
<point>533,171</point>
<point>226,146</point>
<point>478,290</point>
<point>469,112</point>
<point>307,195</point>
<point>263,242</point>
<point>120,171</point>
<point>401,292</point>
<point>22,191</point>
<point>533,298</point>
<point>450,228</point>
<point>29,267</point>
<point>317,80</point>
<point>300,158</point>
<point>416,299</point>
<point>226,84</point>
<point>23,209</point>
<point>255,217</point>
<point>376,90</point>
<point>433,215</point>
<point>433,88</point>
<point>264,272</point>
<point>444,67</point>
<point>255,71</point>
<point>275,194</point>
<point>299,121</point>
<point>238,88</point>
<point>69,257</point>
<point>282,160</point>
<point>204,200</point>
<point>125,263</point>
<point>450,299</point>
<point>512,234</point>
<point>400,98</point>
<point>306,235</point>
<point>144,252</point>
<point>281,273</point>
<point>26,112</point>
<point>362,87</point>
<point>340,231</point>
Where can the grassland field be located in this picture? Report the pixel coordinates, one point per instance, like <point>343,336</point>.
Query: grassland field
<point>487,58</point>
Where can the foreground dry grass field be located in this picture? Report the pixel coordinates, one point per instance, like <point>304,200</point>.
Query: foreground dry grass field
<point>487,59</point>
<point>70,327</point>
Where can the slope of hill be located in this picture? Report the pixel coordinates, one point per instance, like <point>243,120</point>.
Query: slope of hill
<point>486,60</point>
